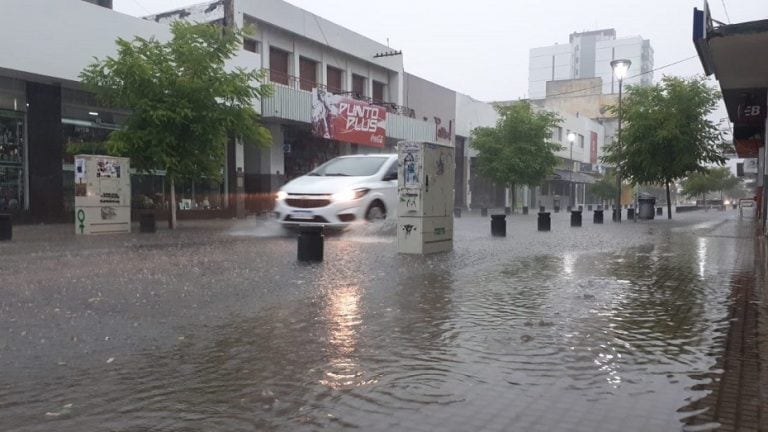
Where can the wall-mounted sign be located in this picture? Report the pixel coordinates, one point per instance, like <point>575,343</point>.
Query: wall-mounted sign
<point>751,114</point>
<point>345,119</point>
<point>593,148</point>
<point>102,194</point>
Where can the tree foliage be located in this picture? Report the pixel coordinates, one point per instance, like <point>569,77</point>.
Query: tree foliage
<point>184,102</point>
<point>605,187</point>
<point>714,180</point>
<point>666,133</point>
<point>518,150</point>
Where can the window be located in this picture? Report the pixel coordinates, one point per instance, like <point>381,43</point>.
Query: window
<point>358,85</point>
<point>252,45</point>
<point>335,79</point>
<point>307,73</point>
<point>378,91</point>
<point>557,134</point>
<point>581,141</point>
<point>278,66</point>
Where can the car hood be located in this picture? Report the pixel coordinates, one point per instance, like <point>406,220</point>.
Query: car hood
<point>322,184</point>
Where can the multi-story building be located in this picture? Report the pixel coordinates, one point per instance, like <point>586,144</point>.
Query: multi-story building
<point>588,55</point>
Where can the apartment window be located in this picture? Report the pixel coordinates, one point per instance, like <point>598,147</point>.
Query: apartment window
<point>581,141</point>
<point>278,66</point>
<point>557,134</point>
<point>378,91</point>
<point>358,85</point>
<point>335,79</point>
<point>251,45</point>
<point>307,74</point>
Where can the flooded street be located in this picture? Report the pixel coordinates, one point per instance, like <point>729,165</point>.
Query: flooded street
<point>217,327</point>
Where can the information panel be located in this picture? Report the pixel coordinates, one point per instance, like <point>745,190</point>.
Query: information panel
<point>102,195</point>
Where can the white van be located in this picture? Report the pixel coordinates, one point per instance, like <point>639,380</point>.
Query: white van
<point>344,190</point>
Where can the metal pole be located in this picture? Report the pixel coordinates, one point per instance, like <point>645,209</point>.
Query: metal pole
<point>570,178</point>
<point>618,162</point>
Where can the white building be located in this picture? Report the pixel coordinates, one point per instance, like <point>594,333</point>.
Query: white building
<point>588,55</point>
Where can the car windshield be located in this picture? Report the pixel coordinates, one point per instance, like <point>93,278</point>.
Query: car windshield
<point>353,167</point>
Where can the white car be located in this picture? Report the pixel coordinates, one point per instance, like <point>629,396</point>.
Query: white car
<point>344,190</point>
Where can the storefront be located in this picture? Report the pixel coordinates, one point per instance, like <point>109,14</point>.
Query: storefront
<point>13,194</point>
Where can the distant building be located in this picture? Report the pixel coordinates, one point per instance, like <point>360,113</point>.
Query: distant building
<point>588,55</point>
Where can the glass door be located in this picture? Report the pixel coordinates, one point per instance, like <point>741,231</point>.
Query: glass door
<point>11,160</point>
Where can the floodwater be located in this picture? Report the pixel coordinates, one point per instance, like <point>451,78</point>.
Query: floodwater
<point>604,328</point>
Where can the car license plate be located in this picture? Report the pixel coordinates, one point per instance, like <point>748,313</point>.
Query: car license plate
<point>302,214</point>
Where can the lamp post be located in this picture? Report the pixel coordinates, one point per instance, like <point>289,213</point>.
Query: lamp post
<point>571,139</point>
<point>620,68</point>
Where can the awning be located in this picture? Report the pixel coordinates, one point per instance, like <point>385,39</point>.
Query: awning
<point>575,176</point>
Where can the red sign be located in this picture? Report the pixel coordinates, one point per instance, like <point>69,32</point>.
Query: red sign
<point>593,148</point>
<point>345,119</point>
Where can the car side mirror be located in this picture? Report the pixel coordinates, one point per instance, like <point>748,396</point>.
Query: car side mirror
<point>390,176</point>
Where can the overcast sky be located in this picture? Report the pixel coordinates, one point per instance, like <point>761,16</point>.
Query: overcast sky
<point>480,47</point>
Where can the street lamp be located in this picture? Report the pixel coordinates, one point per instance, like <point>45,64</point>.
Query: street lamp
<point>571,139</point>
<point>620,68</point>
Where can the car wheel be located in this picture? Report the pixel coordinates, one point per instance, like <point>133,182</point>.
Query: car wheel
<point>376,212</point>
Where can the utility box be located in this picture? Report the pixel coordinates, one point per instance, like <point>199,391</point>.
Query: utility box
<point>425,190</point>
<point>102,195</point>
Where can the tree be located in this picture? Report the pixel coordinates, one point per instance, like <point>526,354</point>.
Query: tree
<point>666,134</point>
<point>518,150</point>
<point>184,104</point>
<point>605,187</point>
<point>699,184</point>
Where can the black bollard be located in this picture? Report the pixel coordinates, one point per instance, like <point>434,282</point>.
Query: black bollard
<point>499,225</point>
<point>147,223</point>
<point>542,209</point>
<point>6,227</point>
<point>310,246</point>
<point>457,212</point>
<point>507,211</point>
<point>545,221</point>
<point>630,213</point>
<point>617,215</point>
<point>597,217</point>
<point>484,212</point>
<point>735,205</point>
<point>525,210</point>
<point>557,209</point>
<point>576,218</point>
<point>659,211</point>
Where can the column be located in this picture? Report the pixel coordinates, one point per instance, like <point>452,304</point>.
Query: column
<point>45,146</point>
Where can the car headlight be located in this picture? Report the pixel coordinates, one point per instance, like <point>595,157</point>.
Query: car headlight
<point>349,195</point>
<point>281,195</point>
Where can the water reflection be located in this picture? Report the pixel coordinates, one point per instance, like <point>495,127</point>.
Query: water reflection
<point>343,320</point>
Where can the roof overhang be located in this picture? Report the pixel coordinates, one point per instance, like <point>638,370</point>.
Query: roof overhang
<point>737,54</point>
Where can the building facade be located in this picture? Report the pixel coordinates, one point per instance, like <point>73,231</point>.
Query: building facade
<point>588,55</point>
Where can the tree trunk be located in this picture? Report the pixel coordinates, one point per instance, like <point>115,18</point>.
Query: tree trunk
<point>172,214</point>
<point>669,203</point>
<point>514,198</point>
<point>704,199</point>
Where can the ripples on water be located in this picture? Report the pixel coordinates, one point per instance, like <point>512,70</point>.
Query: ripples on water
<point>551,339</point>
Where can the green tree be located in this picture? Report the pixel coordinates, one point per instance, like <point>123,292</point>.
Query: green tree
<point>518,150</point>
<point>184,103</point>
<point>605,187</point>
<point>699,184</point>
<point>666,134</point>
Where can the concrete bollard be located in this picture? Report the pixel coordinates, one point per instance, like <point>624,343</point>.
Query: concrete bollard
<point>499,225</point>
<point>484,212</point>
<point>457,212</point>
<point>310,244</point>
<point>597,217</point>
<point>6,227</point>
<point>576,218</point>
<point>507,211</point>
<point>525,210</point>
<point>147,223</point>
<point>630,213</point>
<point>545,221</point>
<point>659,211</point>
<point>617,215</point>
<point>557,209</point>
<point>589,207</point>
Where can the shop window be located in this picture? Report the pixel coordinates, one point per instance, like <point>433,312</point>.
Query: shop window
<point>335,78</point>
<point>278,66</point>
<point>11,160</point>
<point>307,74</point>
